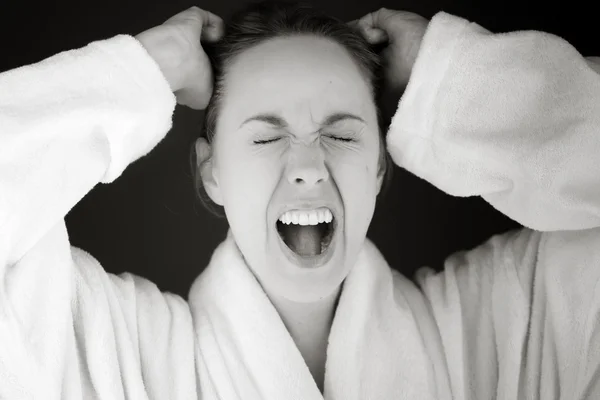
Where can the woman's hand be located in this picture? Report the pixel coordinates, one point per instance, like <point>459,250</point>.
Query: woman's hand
<point>403,31</point>
<point>175,46</point>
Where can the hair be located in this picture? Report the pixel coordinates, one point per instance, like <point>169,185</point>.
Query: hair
<point>268,19</point>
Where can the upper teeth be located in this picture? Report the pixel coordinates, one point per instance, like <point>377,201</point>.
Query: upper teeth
<point>307,217</point>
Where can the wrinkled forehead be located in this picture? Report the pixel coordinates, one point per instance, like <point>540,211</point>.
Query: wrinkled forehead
<point>302,78</point>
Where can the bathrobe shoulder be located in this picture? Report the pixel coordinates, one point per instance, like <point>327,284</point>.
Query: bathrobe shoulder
<point>513,118</point>
<point>69,330</point>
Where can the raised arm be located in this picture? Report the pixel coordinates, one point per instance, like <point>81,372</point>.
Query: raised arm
<point>62,132</point>
<point>67,328</point>
<point>82,116</point>
<point>514,118</point>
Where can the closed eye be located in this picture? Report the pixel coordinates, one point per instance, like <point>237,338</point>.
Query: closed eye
<point>340,138</point>
<point>334,137</point>
<point>266,141</point>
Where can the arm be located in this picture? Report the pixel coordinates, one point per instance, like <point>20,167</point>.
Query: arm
<point>62,132</point>
<point>514,118</point>
<point>67,123</point>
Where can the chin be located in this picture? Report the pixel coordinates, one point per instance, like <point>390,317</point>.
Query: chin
<point>296,275</point>
<point>305,285</point>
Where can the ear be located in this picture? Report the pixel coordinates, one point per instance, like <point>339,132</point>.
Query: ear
<point>205,164</point>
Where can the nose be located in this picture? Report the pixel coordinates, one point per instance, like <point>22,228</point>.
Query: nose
<point>306,166</point>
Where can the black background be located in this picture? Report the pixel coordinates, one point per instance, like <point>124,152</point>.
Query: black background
<point>148,221</point>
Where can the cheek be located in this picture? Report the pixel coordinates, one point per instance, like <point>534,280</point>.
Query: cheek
<point>356,179</point>
<point>247,183</point>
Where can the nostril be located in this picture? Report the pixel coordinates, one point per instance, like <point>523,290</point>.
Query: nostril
<point>300,180</point>
<point>308,177</point>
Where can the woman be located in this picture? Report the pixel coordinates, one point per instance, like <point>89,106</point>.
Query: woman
<point>296,286</point>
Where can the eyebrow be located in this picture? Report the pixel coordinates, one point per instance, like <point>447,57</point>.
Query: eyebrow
<point>279,122</point>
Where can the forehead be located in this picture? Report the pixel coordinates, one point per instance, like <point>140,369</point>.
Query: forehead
<point>295,77</point>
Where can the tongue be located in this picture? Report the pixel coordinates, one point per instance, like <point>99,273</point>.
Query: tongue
<point>304,240</point>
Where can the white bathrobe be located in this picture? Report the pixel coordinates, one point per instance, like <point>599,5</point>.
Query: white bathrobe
<point>514,118</point>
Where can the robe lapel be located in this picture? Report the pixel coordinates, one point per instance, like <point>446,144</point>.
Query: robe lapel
<point>375,348</point>
<point>247,351</point>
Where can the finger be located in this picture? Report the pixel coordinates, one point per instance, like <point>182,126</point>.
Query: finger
<point>378,19</point>
<point>353,24</point>
<point>380,22</point>
<point>213,28</point>
<point>204,24</point>
<point>376,35</point>
<point>372,34</point>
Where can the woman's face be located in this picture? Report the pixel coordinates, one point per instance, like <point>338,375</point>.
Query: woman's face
<point>296,139</point>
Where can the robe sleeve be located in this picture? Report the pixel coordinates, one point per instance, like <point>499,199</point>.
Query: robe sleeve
<point>67,328</point>
<point>67,123</point>
<point>513,118</point>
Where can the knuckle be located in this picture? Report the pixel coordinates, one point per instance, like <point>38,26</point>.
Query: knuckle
<point>195,12</point>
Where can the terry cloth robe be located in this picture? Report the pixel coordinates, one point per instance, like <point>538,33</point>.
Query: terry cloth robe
<point>514,118</point>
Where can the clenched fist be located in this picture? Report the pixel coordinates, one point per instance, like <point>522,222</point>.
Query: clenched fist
<point>403,32</point>
<point>176,48</point>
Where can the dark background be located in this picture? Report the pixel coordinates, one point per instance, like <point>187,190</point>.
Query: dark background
<point>148,221</point>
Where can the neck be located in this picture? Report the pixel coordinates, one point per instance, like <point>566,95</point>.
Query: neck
<point>302,318</point>
<point>309,325</point>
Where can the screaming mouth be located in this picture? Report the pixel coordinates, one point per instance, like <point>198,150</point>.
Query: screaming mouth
<point>306,240</point>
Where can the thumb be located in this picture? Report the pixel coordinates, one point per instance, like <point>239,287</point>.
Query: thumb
<point>379,25</point>
<point>372,35</point>
<point>200,22</point>
<point>213,28</point>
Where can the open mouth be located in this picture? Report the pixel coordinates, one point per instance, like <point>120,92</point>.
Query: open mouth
<point>307,233</point>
